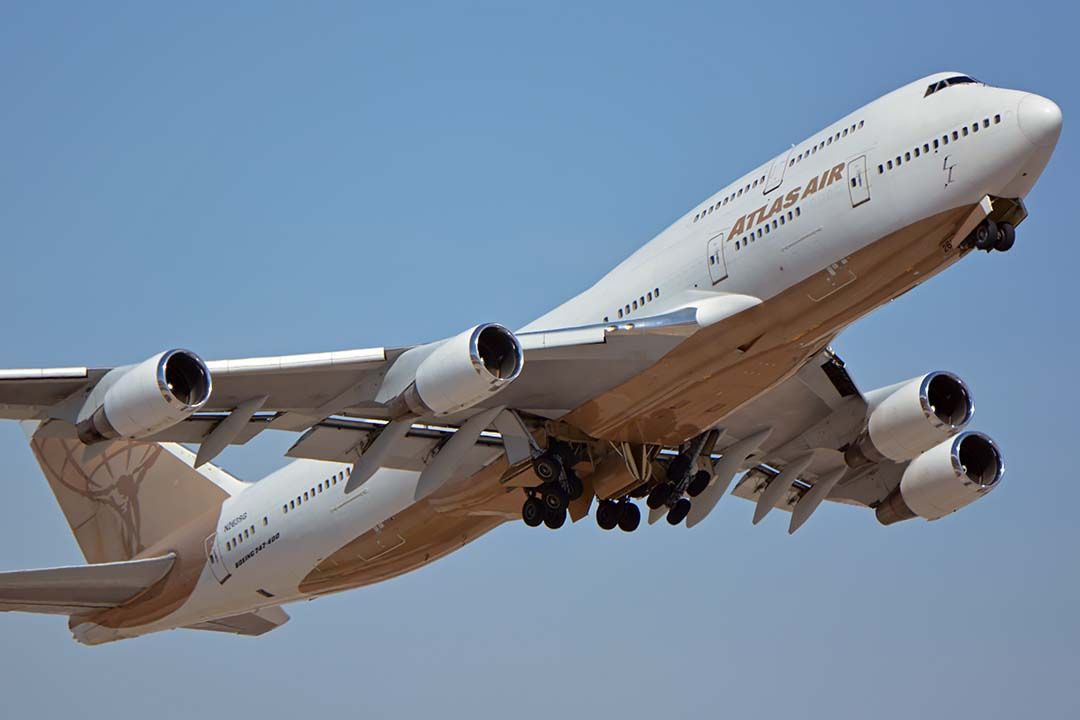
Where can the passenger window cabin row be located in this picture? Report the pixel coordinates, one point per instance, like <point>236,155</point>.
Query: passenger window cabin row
<point>934,145</point>
<point>635,304</point>
<point>249,532</point>
<point>316,490</point>
<point>730,198</point>
<point>246,534</point>
<point>812,150</point>
<point>826,142</point>
<point>766,228</point>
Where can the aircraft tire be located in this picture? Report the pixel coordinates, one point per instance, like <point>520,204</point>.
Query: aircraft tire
<point>660,495</point>
<point>678,512</point>
<point>555,498</point>
<point>1006,237</point>
<point>547,467</point>
<point>607,515</point>
<point>576,488</point>
<point>629,516</point>
<point>555,519</point>
<point>699,483</point>
<point>532,512</point>
<point>986,235</point>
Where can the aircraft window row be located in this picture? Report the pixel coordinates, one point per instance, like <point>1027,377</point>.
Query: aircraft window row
<point>812,150</point>
<point>799,158</point>
<point>937,143</point>
<point>639,303</point>
<point>730,198</point>
<point>240,537</point>
<point>316,490</point>
<point>767,228</point>
<point>949,82</point>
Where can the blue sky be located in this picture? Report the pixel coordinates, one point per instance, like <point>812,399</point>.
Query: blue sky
<point>270,178</point>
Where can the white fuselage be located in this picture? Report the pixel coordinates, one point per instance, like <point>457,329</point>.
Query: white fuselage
<point>815,218</point>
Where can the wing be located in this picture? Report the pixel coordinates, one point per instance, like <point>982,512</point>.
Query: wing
<point>70,590</point>
<point>563,368</point>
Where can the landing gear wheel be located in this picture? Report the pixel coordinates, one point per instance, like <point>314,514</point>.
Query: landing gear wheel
<point>678,511</point>
<point>533,512</point>
<point>986,235</point>
<point>575,488</point>
<point>699,483</point>
<point>547,467</point>
<point>629,516</point>
<point>555,498</point>
<point>1006,237</point>
<point>607,515</point>
<point>660,495</point>
<point>555,519</point>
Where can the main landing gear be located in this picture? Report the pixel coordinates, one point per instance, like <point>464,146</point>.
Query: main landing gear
<point>548,502</point>
<point>618,513</point>
<point>990,235</point>
<point>682,480</point>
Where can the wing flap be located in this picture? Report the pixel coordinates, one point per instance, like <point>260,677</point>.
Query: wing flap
<point>252,624</point>
<point>66,590</point>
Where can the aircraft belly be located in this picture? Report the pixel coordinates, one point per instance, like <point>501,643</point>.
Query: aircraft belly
<point>723,367</point>
<point>452,517</point>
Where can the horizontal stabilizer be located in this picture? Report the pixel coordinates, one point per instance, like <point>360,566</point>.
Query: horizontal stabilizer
<point>70,590</point>
<point>251,624</point>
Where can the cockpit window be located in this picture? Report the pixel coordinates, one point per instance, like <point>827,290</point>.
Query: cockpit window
<point>949,82</point>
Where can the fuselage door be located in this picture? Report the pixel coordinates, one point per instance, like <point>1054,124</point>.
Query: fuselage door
<point>717,266</point>
<point>858,181</point>
<point>776,172</point>
<point>214,557</point>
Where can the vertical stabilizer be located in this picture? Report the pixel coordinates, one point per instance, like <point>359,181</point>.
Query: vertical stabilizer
<point>121,497</point>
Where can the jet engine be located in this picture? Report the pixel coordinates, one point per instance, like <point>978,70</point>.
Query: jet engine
<point>911,417</point>
<point>944,479</point>
<point>459,372</point>
<point>139,400</point>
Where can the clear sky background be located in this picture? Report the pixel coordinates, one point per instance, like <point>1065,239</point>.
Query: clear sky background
<point>264,179</point>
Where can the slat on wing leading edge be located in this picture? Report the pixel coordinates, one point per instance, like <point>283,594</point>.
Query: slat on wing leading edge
<point>66,373</point>
<point>338,360</point>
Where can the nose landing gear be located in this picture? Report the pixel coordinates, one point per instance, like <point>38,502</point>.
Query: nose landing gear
<point>990,235</point>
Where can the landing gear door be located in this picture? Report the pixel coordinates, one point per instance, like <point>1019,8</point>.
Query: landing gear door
<point>776,172</point>
<point>858,181</point>
<point>717,266</point>
<point>214,557</point>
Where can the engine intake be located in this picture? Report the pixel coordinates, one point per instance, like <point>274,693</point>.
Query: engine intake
<point>911,417</point>
<point>461,372</point>
<point>139,400</point>
<point>944,479</point>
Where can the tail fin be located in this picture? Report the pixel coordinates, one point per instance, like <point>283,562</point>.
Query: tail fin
<point>123,496</point>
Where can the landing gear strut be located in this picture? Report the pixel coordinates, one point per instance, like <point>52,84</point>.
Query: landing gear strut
<point>682,480</point>
<point>548,503</point>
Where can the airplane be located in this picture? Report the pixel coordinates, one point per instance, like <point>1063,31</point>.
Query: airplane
<point>700,364</point>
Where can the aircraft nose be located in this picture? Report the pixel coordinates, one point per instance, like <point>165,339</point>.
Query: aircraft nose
<point>1040,120</point>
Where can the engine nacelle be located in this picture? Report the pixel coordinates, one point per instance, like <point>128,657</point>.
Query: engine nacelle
<point>140,400</point>
<point>911,417</point>
<point>944,479</point>
<point>461,372</point>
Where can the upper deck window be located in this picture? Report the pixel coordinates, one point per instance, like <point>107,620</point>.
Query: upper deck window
<point>949,82</point>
